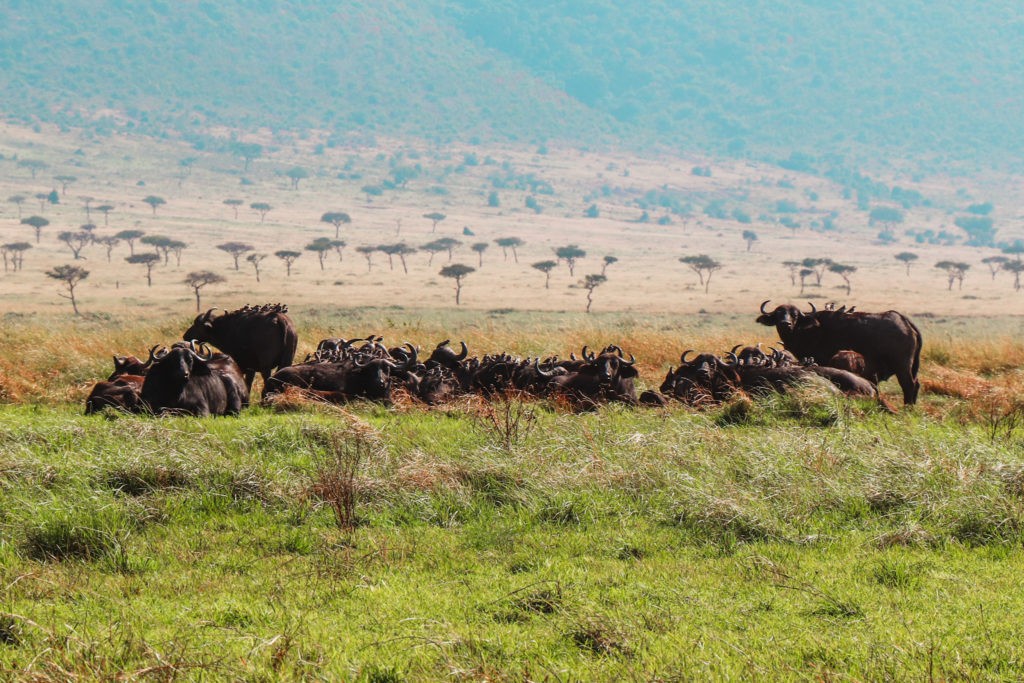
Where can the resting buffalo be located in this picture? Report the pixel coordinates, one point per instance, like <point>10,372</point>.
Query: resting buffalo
<point>339,381</point>
<point>190,380</point>
<point>258,338</point>
<point>122,389</point>
<point>607,376</point>
<point>889,343</point>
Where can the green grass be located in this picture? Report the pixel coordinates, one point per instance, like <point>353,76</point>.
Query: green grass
<point>621,544</point>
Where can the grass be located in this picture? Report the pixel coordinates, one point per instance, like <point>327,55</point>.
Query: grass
<point>619,544</point>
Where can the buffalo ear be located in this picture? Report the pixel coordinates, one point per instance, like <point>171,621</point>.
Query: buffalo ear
<point>766,319</point>
<point>628,371</point>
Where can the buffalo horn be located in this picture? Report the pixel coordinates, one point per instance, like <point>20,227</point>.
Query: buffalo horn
<point>158,355</point>
<point>444,343</point>
<point>736,347</point>
<point>542,373</point>
<point>465,352</point>
<point>814,309</point>
<point>682,358</point>
<point>763,304</point>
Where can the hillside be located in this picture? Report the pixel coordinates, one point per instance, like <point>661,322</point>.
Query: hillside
<point>921,80</point>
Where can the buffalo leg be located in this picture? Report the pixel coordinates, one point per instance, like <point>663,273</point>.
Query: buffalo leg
<point>910,387</point>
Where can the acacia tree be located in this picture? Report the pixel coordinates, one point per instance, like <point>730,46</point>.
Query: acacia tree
<point>105,209</point>
<point>33,165</point>
<point>906,257</point>
<point>288,257</point>
<point>433,248</point>
<point>130,236</point>
<point>401,250</point>
<point>995,264</point>
<point>955,271</point>
<point>793,267</point>
<point>320,246</point>
<point>704,266</point>
<point>818,266</point>
<point>64,181</point>
<point>236,250</point>
<point>154,202</point>
<point>843,271</point>
<point>76,241</point>
<point>434,218</point>
<point>367,251</point>
<point>176,247</point>
<point>608,261</point>
<point>295,174</point>
<point>255,260</point>
<point>37,223</point>
<point>17,251</point>
<point>507,243</point>
<point>804,274</point>
<point>545,267</point>
<point>570,253</point>
<point>749,236</point>
<point>70,276</point>
<point>18,200</point>
<point>337,219</point>
<point>109,242</point>
<point>262,208</point>
<point>480,248</point>
<point>590,283</point>
<point>457,272</point>
<point>449,244</point>
<point>148,259</point>
<point>199,279</point>
<point>1015,267</point>
<point>339,248</point>
<point>161,244</point>
<point>234,204</point>
<point>888,216</point>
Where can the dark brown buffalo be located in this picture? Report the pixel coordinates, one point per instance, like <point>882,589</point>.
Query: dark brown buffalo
<point>889,342</point>
<point>190,380</point>
<point>606,377</point>
<point>258,338</point>
<point>123,392</point>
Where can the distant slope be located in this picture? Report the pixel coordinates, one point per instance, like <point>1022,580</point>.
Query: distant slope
<point>916,78</point>
<point>378,65</point>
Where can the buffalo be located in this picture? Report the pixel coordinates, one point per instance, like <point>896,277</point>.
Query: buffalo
<point>889,342</point>
<point>258,338</point>
<point>189,379</point>
<point>122,390</point>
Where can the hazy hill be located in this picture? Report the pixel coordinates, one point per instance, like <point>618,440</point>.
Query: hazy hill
<point>914,78</point>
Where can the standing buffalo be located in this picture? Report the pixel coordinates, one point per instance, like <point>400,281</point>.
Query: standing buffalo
<point>258,338</point>
<point>889,343</point>
<point>191,380</point>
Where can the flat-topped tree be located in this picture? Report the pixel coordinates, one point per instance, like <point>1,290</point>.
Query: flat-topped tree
<point>401,250</point>
<point>507,243</point>
<point>995,263</point>
<point>234,204</point>
<point>256,260</point>
<point>433,248</point>
<point>199,279</point>
<point>149,260</point>
<point>434,218</point>
<point>570,253</point>
<point>296,174</point>
<point>248,151</point>
<point>844,271</point>
<point>70,276</point>
<point>108,242</point>
<point>320,246</point>
<point>955,271</point>
<point>608,261</point>
<point>804,274</point>
<point>1015,267</point>
<point>367,251</point>
<point>545,267</point>
<point>176,247</point>
<point>75,240</point>
<point>37,223</point>
<point>793,267</point>
<point>5,252</point>
<point>236,250</point>
<point>1015,248</point>
<point>480,248</point>
<point>590,283</point>
<point>64,181</point>
<point>339,248</point>
<point>907,258</point>
<point>389,251</point>
<point>704,266</point>
<point>161,244</point>
<point>18,200</point>
<point>87,201</point>
<point>288,256</point>
<point>457,272</point>
<point>818,265</point>
<point>154,202</point>
<point>130,236</point>
<point>449,244</point>
<point>105,209</point>
<point>17,251</point>
<point>337,219</point>
<point>888,216</point>
<point>749,236</point>
<point>34,166</point>
<point>262,208</point>
<point>43,198</point>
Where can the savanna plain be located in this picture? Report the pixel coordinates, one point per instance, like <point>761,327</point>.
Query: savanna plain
<point>803,536</point>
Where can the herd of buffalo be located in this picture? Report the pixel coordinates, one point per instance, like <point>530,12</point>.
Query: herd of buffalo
<point>853,350</point>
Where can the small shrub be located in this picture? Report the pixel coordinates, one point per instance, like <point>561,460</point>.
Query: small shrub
<point>598,637</point>
<point>338,456</point>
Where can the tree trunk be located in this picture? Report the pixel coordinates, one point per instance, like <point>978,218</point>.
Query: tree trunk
<point>458,290</point>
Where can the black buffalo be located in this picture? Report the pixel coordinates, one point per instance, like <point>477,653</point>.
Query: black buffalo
<point>258,338</point>
<point>607,376</point>
<point>188,379</point>
<point>889,342</point>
